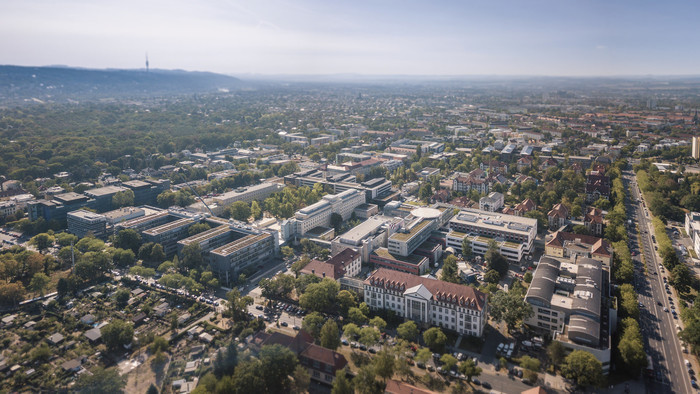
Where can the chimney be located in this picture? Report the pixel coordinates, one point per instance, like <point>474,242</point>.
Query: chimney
<point>313,271</point>
<point>324,274</point>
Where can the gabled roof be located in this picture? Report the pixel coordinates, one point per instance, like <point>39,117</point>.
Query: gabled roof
<point>325,356</point>
<point>420,291</point>
<point>598,246</point>
<point>461,295</point>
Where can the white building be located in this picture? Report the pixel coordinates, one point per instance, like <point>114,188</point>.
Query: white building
<point>319,214</point>
<point>429,302</point>
<point>82,222</point>
<point>500,227</point>
<point>493,202</point>
<point>366,236</point>
<point>8,208</point>
<point>692,228</point>
<point>421,223</point>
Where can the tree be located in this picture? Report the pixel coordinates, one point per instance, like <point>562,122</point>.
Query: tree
<point>240,210</point>
<point>527,277</point>
<point>423,355</point>
<point>509,308</point>
<point>384,364</point>
<point>122,297</point>
<point>365,381</point>
<point>157,254</point>
<point>301,381</point>
<point>356,316</point>
<point>466,247</point>
<point>11,294</point>
<point>408,330</point>
<point>336,221</point>
<point>152,389</point>
<point>128,239</point>
<point>159,344</point>
<point>496,261</point>
<point>42,241</point>
<point>378,322</point>
<point>681,278</point>
<point>351,330</point>
<point>226,360</point>
<point>101,381</point>
<point>117,334</point>
<point>198,228</point>
<point>123,198</point>
<point>192,256</point>
<point>448,361</point>
<point>341,384</point>
<point>556,352</point>
<point>287,252</point>
<point>39,282</point>
<point>631,347</point>
<point>255,210</point>
<point>277,364</point>
<point>237,305</point>
<point>450,272</point>
<point>583,368</point>
<point>425,192</point>
<point>65,239</point>
<point>435,339</point>
<point>469,369</point>
<point>527,362</point>
<point>312,324</point>
<point>329,337</point>
<point>492,276</point>
<point>123,257</point>
<point>345,301</point>
<point>369,336</point>
<point>320,296</point>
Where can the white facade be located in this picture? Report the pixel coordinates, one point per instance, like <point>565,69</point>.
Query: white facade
<point>429,302</point>
<point>8,208</point>
<point>319,214</point>
<point>493,202</point>
<point>692,228</point>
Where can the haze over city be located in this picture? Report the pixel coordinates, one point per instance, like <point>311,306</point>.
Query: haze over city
<point>360,37</point>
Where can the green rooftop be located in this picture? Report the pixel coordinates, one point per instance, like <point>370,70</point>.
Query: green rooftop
<point>403,237</point>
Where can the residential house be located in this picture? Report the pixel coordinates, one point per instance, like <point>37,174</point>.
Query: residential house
<point>597,186</point>
<point>558,216</point>
<point>593,220</point>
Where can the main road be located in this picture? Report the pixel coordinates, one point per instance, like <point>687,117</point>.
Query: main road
<point>661,342</point>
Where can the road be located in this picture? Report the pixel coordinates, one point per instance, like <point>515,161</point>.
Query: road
<point>658,325</point>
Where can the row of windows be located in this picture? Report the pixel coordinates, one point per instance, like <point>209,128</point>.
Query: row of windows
<point>547,312</point>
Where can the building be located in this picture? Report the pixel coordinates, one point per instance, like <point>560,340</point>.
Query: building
<point>692,228</point>
<point>346,263</point>
<point>146,192</point>
<point>558,216</point>
<point>428,172</point>
<point>8,208</point>
<point>429,302</point>
<point>513,251</point>
<point>247,194</point>
<point>594,221</point>
<point>321,363</point>
<point>253,249</point>
<point>597,186</point>
<point>413,264</point>
<point>521,209</point>
<point>103,196</point>
<point>364,211</point>
<point>570,245</point>
<point>416,230</point>
<point>570,302</point>
<point>497,226</point>
<point>695,148</point>
<point>169,234</point>
<point>366,236</point>
<point>57,208</point>
<point>319,214</point>
<point>493,202</point>
<point>145,222</point>
<point>82,223</point>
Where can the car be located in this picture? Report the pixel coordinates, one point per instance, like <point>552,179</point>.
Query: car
<point>691,371</point>
<point>694,383</point>
<point>363,347</point>
<point>284,324</point>
<point>476,381</point>
<point>665,309</point>
<point>519,373</point>
<point>296,328</point>
<point>659,303</point>
<point>258,307</point>
<point>420,365</point>
<point>373,351</point>
<point>486,385</point>
<point>431,368</point>
<point>500,347</point>
<point>345,342</point>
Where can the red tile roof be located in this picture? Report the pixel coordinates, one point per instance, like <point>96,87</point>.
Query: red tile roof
<point>442,291</point>
<point>599,246</point>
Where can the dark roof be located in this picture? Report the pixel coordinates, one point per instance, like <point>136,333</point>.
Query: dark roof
<point>325,356</point>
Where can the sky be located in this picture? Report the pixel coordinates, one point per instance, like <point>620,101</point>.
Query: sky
<point>379,37</point>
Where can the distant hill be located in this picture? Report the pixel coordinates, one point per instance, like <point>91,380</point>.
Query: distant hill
<point>56,84</point>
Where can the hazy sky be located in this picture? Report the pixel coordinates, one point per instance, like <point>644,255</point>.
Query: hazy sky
<point>518,37</point>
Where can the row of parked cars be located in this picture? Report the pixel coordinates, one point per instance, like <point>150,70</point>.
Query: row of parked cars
<point>505,349</point>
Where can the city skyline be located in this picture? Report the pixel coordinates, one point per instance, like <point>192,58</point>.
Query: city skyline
<point>367,38</point>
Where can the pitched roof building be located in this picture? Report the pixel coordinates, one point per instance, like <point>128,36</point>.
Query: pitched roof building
<point>568,245</point>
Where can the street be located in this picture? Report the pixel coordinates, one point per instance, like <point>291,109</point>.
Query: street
<point>656,321</point>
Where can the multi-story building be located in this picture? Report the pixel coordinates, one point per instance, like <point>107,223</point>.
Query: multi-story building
<point>58,207</point>
<point>695,148</point>
<point>521,209</point>
<point>346,263</point>
<point>82,222</point>
<point>8,208</point>
<point>568,245</point>
<point>230,260</point>
<point>219,204</point>
<point>597,186</point>
<point>492,203</point>
<point>146,192</point>
<point>208,240</point>
<point>558,216</point>
<point>319,214</point>
<point>123,214</point>
<point>366,236</point>
<point>429,302</point>
<point>594,221</point>
<point>570,301</point>
<point>692,228</point>
<point>501,227</point>
<point>168,234</point>
<point>103,196</point>
<point>145,222</point>
<point>413,264</point>
<point>513,251</point>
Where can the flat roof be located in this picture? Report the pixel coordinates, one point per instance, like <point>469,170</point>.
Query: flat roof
<point>414,230</point>
<point>169,226</point>
<point>144,219</point>
<point>117,213</point>
<point>205,235</point>
<point>103,191</point>
<point>70,196</point>
<point>240,244</point>
<point>81,213</point>
<point>410,259</point>
<point>362,230</point>
<point>495,220</point>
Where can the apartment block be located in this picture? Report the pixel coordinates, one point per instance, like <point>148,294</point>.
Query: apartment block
<point>230,260</point>
<point>319,214</point>
<point>501,227</point>
<point>493,202</point>
<point>82,222</point>
<point>169,234</point>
